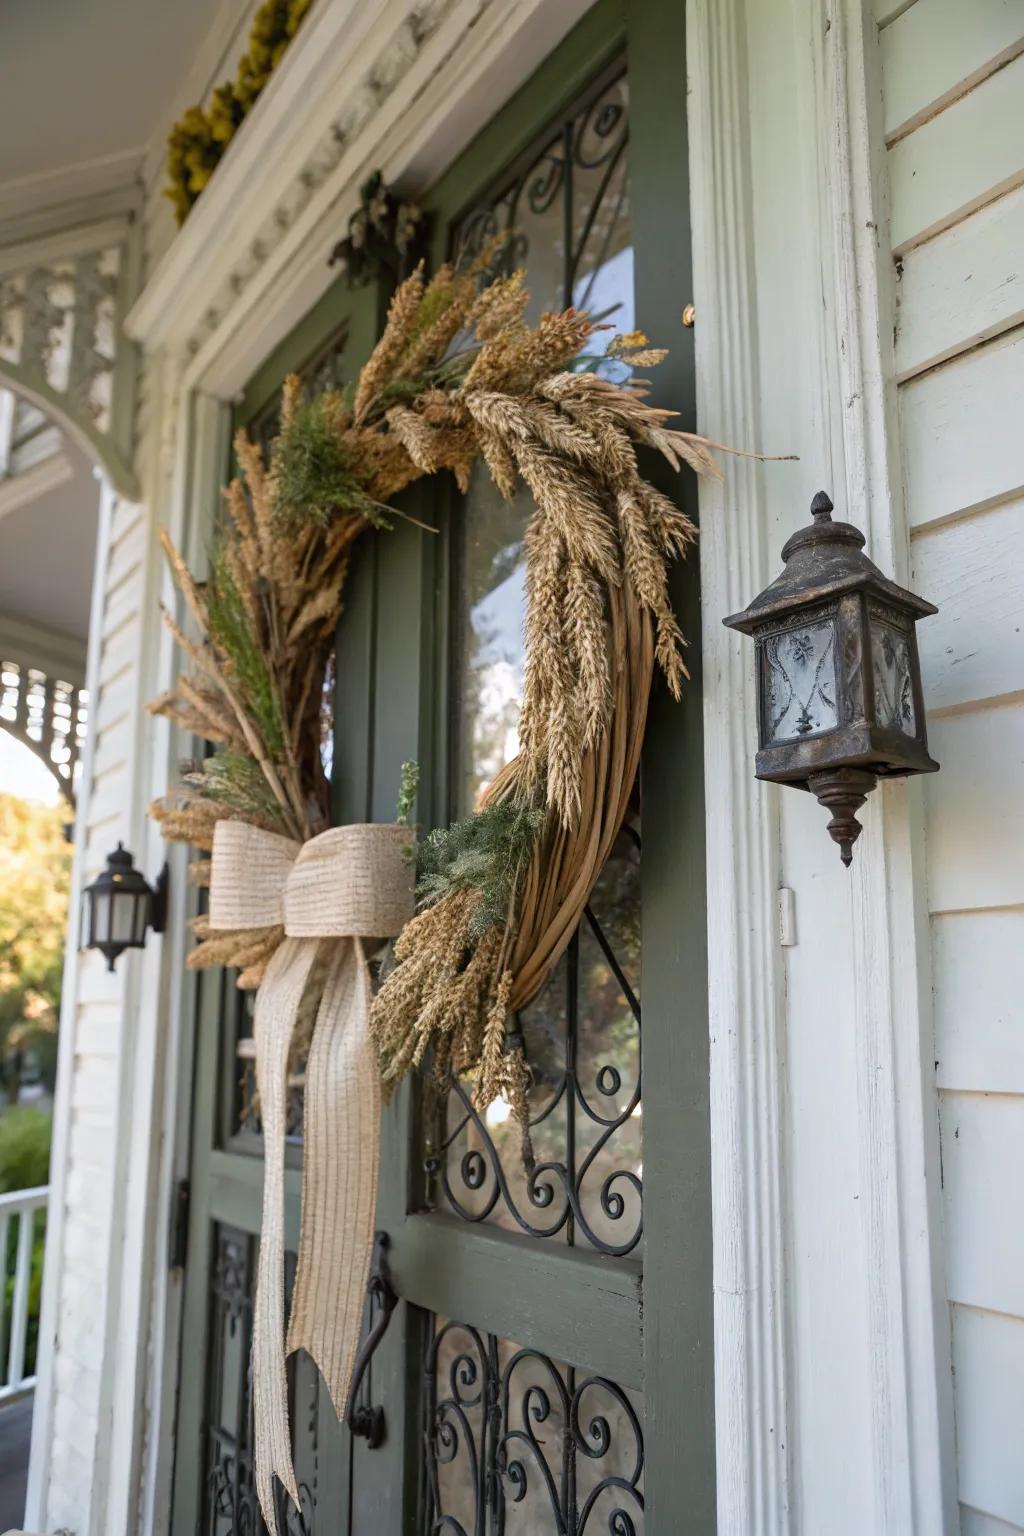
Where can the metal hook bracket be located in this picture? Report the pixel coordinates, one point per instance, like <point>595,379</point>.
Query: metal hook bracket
<point>365,1419</point>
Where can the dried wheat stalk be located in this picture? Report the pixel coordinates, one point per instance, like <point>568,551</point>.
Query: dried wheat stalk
<point>457,375</point>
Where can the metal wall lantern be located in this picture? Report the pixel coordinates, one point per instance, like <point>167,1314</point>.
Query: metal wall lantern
<point>120,906</point>
<point>838,674</point>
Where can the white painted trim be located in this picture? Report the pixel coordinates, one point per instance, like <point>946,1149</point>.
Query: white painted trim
<point>64,243</point>
<point>51,650</point>
<point>25,486</point>
<point>761,248</point>
<point>138,1245</point>
<point>746,1015</point>
<point>8,411</point>
<point>204,436</point>
<point>56,199</point>
<point>53,1264</point>
<point>237,277</point>
<point>31,447</point>
<point>913,1443</point>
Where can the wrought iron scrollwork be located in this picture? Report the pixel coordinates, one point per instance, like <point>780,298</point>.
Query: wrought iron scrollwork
<point>516,1442</point>
<point>562,1195</point>
<point>230,1506</point>
<point>565,207</point>
<point>576,172</point>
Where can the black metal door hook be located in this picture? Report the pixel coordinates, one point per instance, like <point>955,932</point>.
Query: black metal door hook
<point>364,1419</point>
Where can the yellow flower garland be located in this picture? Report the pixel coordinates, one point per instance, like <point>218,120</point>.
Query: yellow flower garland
<point>198,140</point>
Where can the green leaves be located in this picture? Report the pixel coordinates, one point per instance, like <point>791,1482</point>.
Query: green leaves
<point>407,791</point>
<point>312,472</point>
<point>232,626</point>
<point>487,852</point>
<point>314,476</point>
<point>234,780</point>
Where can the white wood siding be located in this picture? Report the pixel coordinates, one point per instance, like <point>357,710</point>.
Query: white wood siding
<point>954,122</point>
<point>101,1017</point>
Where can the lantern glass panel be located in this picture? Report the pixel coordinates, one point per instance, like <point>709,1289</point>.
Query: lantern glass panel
<point>891,665</point>
<point>125,926</point>
<point>99,906</point>
<point>799,680</point>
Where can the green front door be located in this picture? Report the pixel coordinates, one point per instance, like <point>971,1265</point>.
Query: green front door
<point>549,1367</point>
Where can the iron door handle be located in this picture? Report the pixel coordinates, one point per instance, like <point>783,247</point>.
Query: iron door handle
<point>365,1419</point>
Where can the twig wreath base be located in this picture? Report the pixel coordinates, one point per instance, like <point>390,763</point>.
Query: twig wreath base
<point>457,376</point>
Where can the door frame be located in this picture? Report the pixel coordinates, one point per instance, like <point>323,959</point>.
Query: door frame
<point>622,1324</point>
<point>205,334</point>
<point>435,1256</point>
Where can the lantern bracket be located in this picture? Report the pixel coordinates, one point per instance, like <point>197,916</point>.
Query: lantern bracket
<point>158,906</point>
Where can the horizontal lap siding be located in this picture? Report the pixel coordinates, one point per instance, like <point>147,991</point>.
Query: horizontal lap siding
<point>99,1030</point>
<point>954,120</point>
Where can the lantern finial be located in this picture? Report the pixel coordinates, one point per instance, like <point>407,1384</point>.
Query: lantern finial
<point>821,508</point>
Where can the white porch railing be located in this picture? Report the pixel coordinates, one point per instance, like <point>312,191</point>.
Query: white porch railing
<point>19,1207</point>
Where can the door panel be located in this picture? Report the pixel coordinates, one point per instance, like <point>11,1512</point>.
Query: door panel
<point>549,1367</point>
<point>576,1267</point>
<point>214,1493</point>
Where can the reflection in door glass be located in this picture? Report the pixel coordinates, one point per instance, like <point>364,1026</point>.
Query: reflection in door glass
<point>518,1444</point>
<point>567,208</point>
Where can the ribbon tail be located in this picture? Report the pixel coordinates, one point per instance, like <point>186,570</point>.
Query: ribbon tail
<point>340,1173</point>
<point>277,1007</point>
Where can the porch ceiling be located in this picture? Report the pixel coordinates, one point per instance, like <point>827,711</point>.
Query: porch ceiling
<point>83,81</point>
<point>47,547</point>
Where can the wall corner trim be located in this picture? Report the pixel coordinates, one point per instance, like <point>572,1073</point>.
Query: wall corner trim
<point>746,1012</point>
<point>913,1458</point>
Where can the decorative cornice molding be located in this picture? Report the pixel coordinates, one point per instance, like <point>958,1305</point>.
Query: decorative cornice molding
<point>355,53</point>
<point>746,1012</point>
<point>399,71</point>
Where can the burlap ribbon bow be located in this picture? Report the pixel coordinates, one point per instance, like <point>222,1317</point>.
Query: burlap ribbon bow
<point>348,884</point>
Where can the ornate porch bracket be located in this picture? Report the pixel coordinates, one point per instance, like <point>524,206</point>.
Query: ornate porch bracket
<point>48,715</point>
<point>62,345</point>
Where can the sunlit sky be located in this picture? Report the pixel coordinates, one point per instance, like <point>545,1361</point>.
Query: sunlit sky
<point>21,773</point>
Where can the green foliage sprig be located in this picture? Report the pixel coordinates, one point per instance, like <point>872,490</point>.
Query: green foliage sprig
<point>314,475</point>
<point>231,626</point>
<point>198,140</point>
<point>234,780</point>
<point>487,853</point>
<point>407,791</point>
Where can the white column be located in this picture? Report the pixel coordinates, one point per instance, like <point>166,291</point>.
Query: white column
<point>746,1014</point>
<point>832,1365</point>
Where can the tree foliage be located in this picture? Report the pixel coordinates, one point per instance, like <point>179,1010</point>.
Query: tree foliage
<point>35,875</point>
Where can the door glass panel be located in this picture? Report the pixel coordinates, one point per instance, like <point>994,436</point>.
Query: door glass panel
<point>229,1502</point>
<point>568,206</point>
<point>520,1443</point>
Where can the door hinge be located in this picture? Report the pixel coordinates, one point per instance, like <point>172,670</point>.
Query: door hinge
<point>180,1202</point>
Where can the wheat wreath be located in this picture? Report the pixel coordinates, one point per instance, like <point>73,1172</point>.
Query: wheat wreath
<point>458,375</point>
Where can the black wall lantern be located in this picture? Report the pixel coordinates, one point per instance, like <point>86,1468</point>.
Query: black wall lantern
<point>838,674</point>
<point>120,905</point>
